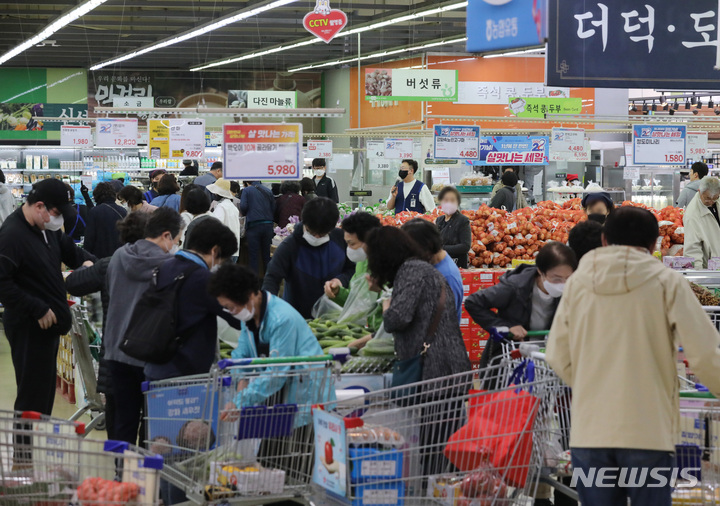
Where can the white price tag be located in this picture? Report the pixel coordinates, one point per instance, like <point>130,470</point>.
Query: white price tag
<point>116,132</point>
<point>631,173</point>
<point>87,181</point>
<point>441,176</point>
<point>375,149</point>
<point>379,164</point>
<point>76,136</point>
<point>456,142</point>
<point>262,151</point>
<point>659,144</point>
<point>567,139</point>
<point>400,149</point>
<point>320,149</point>
<point>187,138</point>
<point>697,145</point>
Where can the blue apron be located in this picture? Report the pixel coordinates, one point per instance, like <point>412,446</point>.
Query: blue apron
<point>412,199</point>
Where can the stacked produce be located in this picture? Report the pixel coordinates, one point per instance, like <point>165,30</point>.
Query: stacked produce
<point>705,296</point>
<point>331,334</point>
<point>671,227</point>
<point>98,491</point>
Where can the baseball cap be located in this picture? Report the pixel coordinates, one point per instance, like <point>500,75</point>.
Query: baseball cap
<point>591,198</point>
<point>157,172</point>
<point>53,193</point>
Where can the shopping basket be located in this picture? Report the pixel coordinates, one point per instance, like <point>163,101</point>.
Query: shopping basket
<point>242,431</point>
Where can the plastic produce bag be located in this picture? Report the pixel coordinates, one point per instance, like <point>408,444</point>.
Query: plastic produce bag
<point>327,308</point>
<point>359,304</point>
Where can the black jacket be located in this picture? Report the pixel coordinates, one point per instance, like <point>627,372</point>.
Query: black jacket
<point>326,187</point>
<point>31,280</point>
<point>505,199</point>
<point>305,269</point>
<point>457,237</point>
<point>76,221</point>
<point>101,234</point>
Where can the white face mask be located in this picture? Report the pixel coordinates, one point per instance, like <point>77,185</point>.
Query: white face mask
<point>123,205</point>
<point>555,290</point>
<point>55,223</point>
<point>319,172</point>
<point>315,241</point>
<point>449,207</point>
<point>356,255</point>
<point>244,315</point>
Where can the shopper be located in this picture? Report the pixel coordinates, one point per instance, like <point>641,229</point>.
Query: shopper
<point>520,201</point>
<point>307,187</point>
<point>585,237</point>
<point>129,275</point>
<point>167,189</point>
<point>75,218</point>
<point>155,177</point>
<point>190,168</point>
<point>324,185</point>
<point>506,198</point>
<point>32,290</point>
<point>698,171</point>
<point>91,279</point>
<point>197,209</point>
<point>312,255</point>
<point>101,235</point>
<point>526,298</point>
<point>289,203</point>
<point>702,223</point>
<point>186,216</point>
<point>597,205</point>
<point>454,227</point>
<point>7,201</point>
<point>131,199</point>
<point>410,194</point>
<point>257,204</point>
<point>225,210</point>
<point>599,356</point>
<point>215,173</point>
<point>204,252</point>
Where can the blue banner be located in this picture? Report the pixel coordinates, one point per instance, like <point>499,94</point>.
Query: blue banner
<point>661,44</point>
<point>514,150</point>
<point>494,25</point>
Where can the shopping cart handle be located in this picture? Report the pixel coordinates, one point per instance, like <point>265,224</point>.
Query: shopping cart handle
<point>230,362</point>
<point>500,334</point>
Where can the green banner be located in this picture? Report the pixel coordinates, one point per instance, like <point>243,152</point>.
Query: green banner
<point>538,107</point>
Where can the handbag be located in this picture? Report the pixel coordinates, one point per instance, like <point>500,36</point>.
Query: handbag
<point>410,370</point>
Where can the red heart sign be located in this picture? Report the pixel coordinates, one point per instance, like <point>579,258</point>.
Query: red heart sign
<point>325,26</point>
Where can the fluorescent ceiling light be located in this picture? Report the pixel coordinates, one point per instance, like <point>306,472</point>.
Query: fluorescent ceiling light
<point>380,54</point>
<point>315,40</point>
<point>516,53</point>
<point>53,27</point>
<point>196,33</point>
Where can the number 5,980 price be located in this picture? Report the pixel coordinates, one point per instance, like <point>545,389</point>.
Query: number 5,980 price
<point>281,170</point>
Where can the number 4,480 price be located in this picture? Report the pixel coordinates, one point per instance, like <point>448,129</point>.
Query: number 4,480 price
<point>281,170</point>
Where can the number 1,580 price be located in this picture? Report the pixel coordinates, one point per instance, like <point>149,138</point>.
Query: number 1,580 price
<point>281,170</point>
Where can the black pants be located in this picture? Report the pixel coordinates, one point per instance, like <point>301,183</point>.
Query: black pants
<point>259,238</point>
<point>129,401</point>
<point>110,416</point>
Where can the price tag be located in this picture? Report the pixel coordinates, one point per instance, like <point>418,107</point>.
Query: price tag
<point>379,164</point>
<point>320,149</point>
<point>631,173</point>
<point>87,181</point>
<point>256,151</point>
<point>697,145</point>
<point>576,153</point>
<point>441,176</point>
<point>659,144</point>
<point>401,149</point>
<point>76,136</point>
<point>629,153</point>
<point>116,132</point>
<point>567,139</point>
<point>187,138</point>
<point>375,149</point>
<point>456,142</point>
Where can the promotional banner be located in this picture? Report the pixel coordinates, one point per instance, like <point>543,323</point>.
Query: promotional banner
<point>76,136</point>
<point>401,149</point>
<point>261,151</point>
<point>498,93</point>
<point>116,132</point>
<point>514,150</point>
<point>697,145</point>
<point>411,85</point>
<point>159,138</point>
<point>538,107</point>
<point>671,44</point>
<point>320,149</point>
<point>456,142</point>
<point>262,99</point>
<point>659,145</point>
<point>494,25</point>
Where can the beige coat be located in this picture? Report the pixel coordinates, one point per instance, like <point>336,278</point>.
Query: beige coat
<point>702,232</point>
<point>614,341</point>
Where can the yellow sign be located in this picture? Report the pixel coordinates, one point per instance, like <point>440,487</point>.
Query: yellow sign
<point>159,138</point>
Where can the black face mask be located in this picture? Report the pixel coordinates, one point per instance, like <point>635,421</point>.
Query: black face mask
<point>403,174</point>
<point>154,185</point>
<point>600,218</point>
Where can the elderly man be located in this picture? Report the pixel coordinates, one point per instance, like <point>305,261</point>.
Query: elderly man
<point>702,223</point>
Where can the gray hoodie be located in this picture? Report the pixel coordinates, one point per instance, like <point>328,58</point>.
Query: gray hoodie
<point>128,276</point>
<point>7,203</point>
<point>687,194</point>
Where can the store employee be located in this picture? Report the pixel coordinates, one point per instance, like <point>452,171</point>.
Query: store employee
<point>410,194</point>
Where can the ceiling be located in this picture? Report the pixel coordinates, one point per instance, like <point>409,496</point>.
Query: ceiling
<point>121,26</point>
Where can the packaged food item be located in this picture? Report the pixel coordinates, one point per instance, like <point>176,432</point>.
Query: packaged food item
<point>361,437</point>
<point>714,264</point>
<point>678,263</point>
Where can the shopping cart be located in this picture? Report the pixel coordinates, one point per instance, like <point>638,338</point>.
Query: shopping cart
<point>243,433</point>
<point>714,313</point>
<point>45,461</point>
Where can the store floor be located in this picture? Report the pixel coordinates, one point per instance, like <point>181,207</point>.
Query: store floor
<point>62,408</point>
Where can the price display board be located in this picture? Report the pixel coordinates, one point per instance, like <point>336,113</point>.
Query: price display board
<point>257,151</point>
<point>116,132</point>
<point>567,139</point>
<point>76,136</point>
<point>456,142</point>
<point>697,145</point>
<point>375,149</point>
<point>379,164</point>
<point>320,149</point>
<point>659,144</point>
<point>187,138</point>
<point>401,149</point>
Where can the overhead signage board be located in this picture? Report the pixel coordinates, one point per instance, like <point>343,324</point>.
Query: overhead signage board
<point>142,102</point>
<point>494,25</point>
<point>76,136</point>
<point>670,44</point>
<point>659,144</point>
<point>499,93</point>
<point>320,149</point>
<point>262,99</point>
<point>514,150</point>
<point>257,151</point>
<point>534,107</point>
<point>401,149</point>
<point>116,132</point>
<point>187,138</point>
<point>411,85</point>
<point>567,139</point>
<point>456,142</point>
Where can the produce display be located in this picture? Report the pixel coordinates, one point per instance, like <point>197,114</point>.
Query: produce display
<point>331,334</point>
<point>225,349</point>
<point>98,492</point>
<point>705,296</point>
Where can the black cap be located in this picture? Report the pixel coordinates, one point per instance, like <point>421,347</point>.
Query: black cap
<point>593,197</point>
<point>53,193</point>
<point>157,172</point>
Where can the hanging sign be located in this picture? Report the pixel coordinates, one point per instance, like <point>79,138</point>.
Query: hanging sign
<point>324,22</point>
<point>538,107</point>
<point>441,176</point>
<point>320,149</point>
<point>116,132</point>
<point>567,139</point>
<point>494,25</point>
<point>76,136</point>
<point>375,149</point>
<point>262,99</point>
<point>159,138</point>
<point>579,153</point>
<point>697,145</point>
<point>398,148</point>
<point>257,151</point>
<point>456,142</point>
<point>659,145</point>
<point>187,138</point>
<point>631,173</point>
<point>411,85</point>
<point>379,164</point>
<point>514,150</point>
<point>144,102</point>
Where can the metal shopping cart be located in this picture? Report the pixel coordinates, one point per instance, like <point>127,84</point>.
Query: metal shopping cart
<point>243,433</point>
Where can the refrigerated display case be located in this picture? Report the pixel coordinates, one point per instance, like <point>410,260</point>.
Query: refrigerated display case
<point>656,187</point>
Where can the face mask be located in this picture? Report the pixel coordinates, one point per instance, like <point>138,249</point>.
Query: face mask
<point>449,207</point>
<point>244,315</point>
<point>555,290</point>
<point>319,172</point>
<point>124,206</point>
<point>154,185</point>
<point>315,241</point>
<point>356,255</point>
<point>55,223</point>
<point>215,266</point>
<point>173,249</point>
<point>600,218</point>
<point>403,174</point>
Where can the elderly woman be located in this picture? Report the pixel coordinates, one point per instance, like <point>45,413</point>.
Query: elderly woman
<point>702,223</point>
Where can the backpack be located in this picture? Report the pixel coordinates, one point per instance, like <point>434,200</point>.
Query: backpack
<point>152,334</point>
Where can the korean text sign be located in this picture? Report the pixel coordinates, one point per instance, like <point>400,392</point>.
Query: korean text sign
<point>330,466</point>
<point>634,44</point>
<point>456,142</point>
<point>659,145</point>
<point>262,99</point>
<point>187,138</point>
<point>76,136</point>
<point>538,107</point>
<point>514,150</point>
<point>257,151</point>
<point>411,85</point>
<point>116,132</point>
<point>493,25</point>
